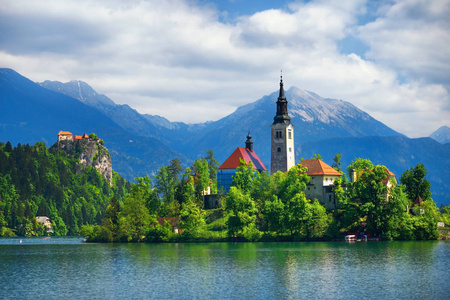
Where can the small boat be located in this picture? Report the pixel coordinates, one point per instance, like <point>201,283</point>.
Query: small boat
<point>350,238</point>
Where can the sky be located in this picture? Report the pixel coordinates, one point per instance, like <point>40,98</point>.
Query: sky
<point>198,60</point>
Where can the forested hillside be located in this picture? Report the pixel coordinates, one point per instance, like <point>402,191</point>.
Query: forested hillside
<point>36,181</point>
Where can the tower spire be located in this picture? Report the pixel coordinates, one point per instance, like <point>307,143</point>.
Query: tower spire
<point>249,142</point>
<point>282,132</point>
<point>282,115</point>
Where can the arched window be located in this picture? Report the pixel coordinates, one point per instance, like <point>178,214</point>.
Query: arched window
<point>278,149</point>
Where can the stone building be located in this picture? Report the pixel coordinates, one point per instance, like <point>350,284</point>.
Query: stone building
<point>282,137</point>
<point>321,184</point>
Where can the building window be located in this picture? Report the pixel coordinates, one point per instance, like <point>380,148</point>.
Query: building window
<point>278,149</point>
<point>290,134</point>
<point>290,149</point>
<point>278,134</point>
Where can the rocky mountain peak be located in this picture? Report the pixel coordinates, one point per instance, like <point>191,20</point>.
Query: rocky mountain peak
<point>442,135</point>
<point>79,90</point>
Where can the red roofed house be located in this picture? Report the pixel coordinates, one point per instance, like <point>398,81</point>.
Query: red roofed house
<point>321,184</point>
<point>81,137</point>
<point>229,167</point>
<point>64,136</point>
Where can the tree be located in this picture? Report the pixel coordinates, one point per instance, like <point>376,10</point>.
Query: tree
<point>213,166</point>
<point>425,225</point>
<point>291,191</point>
<point>274,213</point>
<point>416,184</point>
<point>134,217</point>
<point>318,221</point>
<point>241,211</point>
<point>338,191</point>
<point>165,185</point>
<point>243,178</point>
<point>174,169</point>
<point>317,156</point>
<point>358,165</point>
<point>201,179</point>
<point>337,162</point>
<point>374,208</point>
<point>111,220</point>
<point>398,223</point>
<point>192,219</point>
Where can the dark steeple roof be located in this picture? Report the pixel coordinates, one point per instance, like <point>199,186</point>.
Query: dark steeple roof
<point>249,142</point>
<point>282,112</point>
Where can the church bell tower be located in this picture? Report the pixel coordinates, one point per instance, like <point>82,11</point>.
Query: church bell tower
<point>282,137</point>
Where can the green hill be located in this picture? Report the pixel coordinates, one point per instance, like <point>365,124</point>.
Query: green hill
<point>55,183</point>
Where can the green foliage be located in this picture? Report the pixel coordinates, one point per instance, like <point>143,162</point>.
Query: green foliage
<point>445,214</point>
<point>202,177</point>
<point>134,218</point>
<point>244,176</point>
<point>317,156</point>
<point>337,162</point>
<point>358,165</point>
<point>213,166</point>
<point>192,219</point>
<point>241,212</point>
<point>165,184</point>
<point>260,207</point>
<point>416,184</point>
<point>36,181</point>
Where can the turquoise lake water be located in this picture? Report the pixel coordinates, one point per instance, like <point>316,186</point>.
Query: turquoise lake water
<point>66,268</point>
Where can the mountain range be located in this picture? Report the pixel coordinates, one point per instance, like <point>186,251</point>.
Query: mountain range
<point>141,143</point>
<point>442,135</point>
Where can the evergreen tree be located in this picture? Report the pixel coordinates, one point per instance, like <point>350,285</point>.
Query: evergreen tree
<point>416,184</point>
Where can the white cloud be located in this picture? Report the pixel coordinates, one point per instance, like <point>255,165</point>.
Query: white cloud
<point>176,59</point>
<point>413,36</point>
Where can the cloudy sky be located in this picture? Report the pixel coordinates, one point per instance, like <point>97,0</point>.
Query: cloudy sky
<point>198,60</point>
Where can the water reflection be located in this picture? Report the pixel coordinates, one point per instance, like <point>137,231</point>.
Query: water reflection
<point>225,270</point>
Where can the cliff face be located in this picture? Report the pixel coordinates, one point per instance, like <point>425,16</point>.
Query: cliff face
<point>90,153</point>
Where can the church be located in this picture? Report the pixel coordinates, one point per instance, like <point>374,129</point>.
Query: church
<point>229,167</point>
<point>282,148</point>
<point>282,158</point>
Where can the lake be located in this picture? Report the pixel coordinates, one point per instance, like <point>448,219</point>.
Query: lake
<point>56,268</point>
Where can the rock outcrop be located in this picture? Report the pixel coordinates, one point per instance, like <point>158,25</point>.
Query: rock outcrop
<point>90,153</point>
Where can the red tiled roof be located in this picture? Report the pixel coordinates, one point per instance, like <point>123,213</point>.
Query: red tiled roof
<point>317,167</point>
<point>233,162</point>
<point>77,137</point>
<point>418,200</point>
<point>64,133</point>
<point>172,221</point>
<point>390,175</point>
